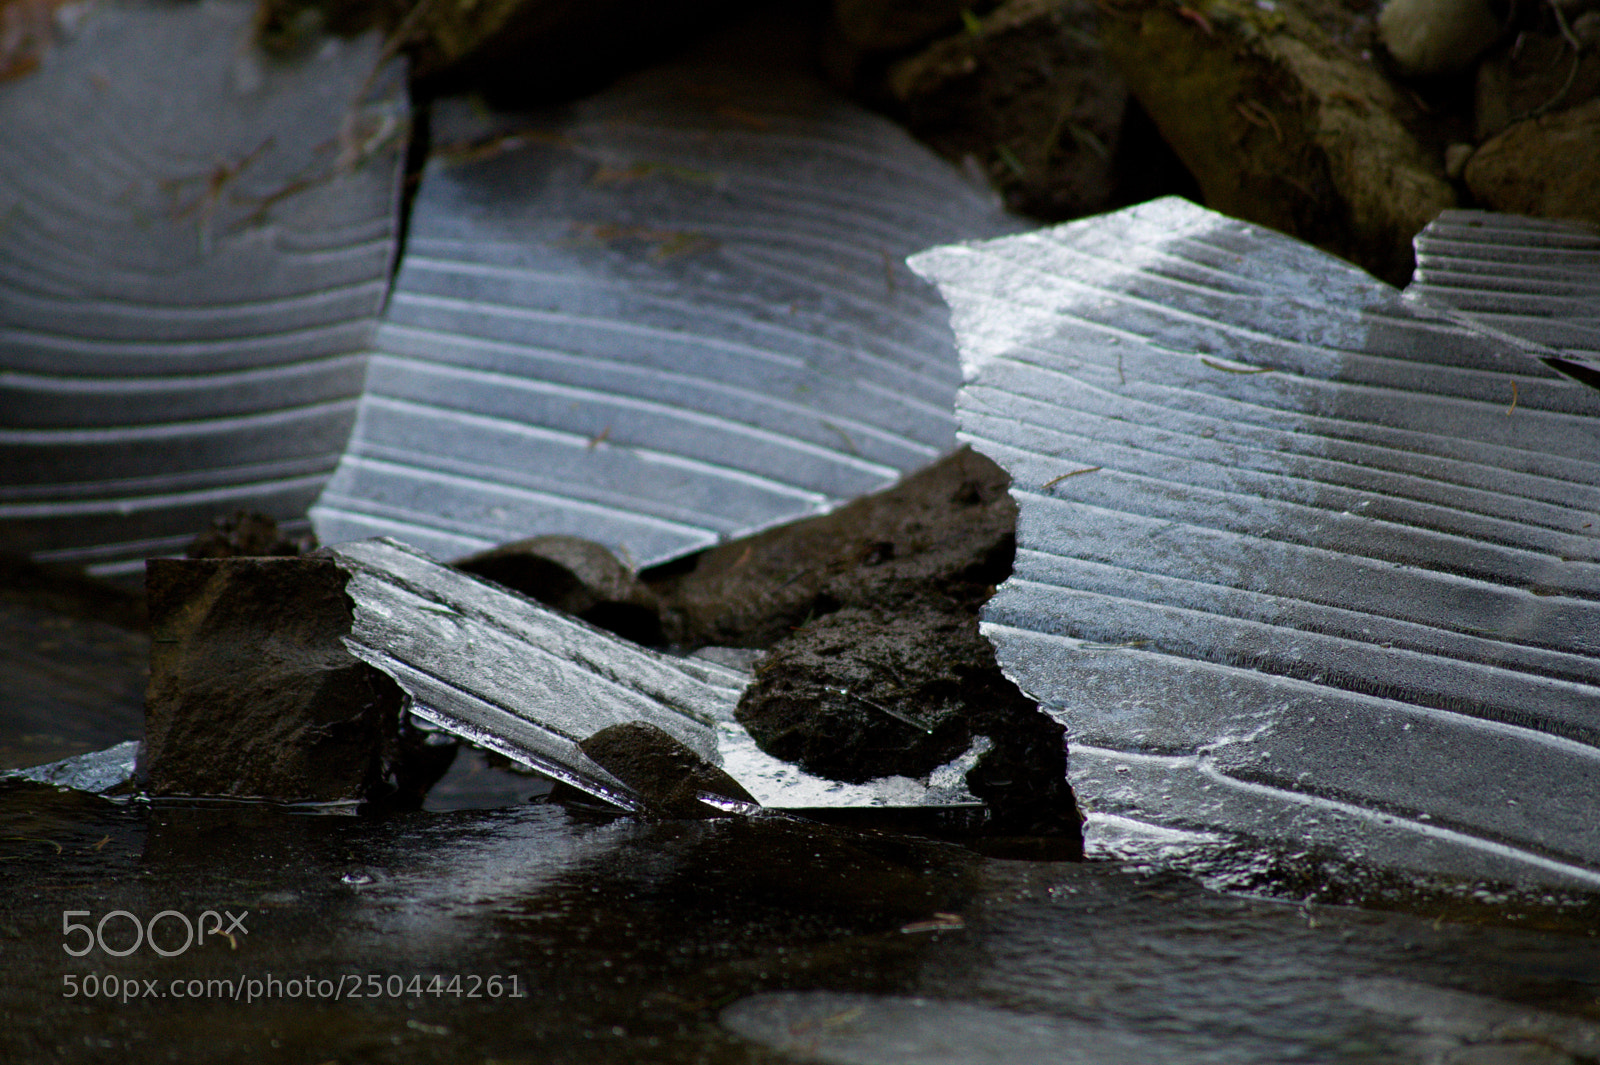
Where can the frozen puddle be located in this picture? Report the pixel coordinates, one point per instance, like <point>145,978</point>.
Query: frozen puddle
<point>196,247</point>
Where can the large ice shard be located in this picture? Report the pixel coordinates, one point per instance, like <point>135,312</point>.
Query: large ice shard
<point>1297,558</point>
<point>195,242</point>
<point>1530,277</point>
<point>662,316</point>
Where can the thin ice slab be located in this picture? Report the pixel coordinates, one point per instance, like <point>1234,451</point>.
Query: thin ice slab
<point>517,677</point>
<point>195,242</point>
<point>535,685</point>
<point>670,314</point>
<point>97,771</point>
<point>1297,558</point>
<point>1529,277</point>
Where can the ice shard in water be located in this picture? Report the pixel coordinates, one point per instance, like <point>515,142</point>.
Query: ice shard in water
<point>1297,559</point>
<point>97,771</point>
<point>517,677</point>
<point>534,684</point>
<point>196,243</point>
<point>666,315</point>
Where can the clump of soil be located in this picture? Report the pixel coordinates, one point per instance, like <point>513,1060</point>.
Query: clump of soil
<point>253,693</point>
<point>1027,92</point>
<point>948,530</point>
<point>875,664</point>
<point>663,770</point>
<point>577,576</point>
<point>865,693</point>
<point>860,693</point>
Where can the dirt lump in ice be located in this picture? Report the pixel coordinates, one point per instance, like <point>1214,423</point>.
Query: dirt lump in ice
<point>860,694</point>
<point>665,771</point>
<point>948,530</point>
<point>875,665</point>
<point>253,693</point>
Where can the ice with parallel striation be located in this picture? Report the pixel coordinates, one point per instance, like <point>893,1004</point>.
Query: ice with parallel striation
<point>195,244</point>
<point>531,683</point>
<point>1297,558</point>
<point>669,314</point>
<point>1532,278</point>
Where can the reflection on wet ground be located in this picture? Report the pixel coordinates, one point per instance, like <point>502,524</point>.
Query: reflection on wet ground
<point>555,937</point>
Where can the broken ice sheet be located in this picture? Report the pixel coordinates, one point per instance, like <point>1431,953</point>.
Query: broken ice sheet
<point>1529,277</point>
<point>669,314</point>
<point>1296,558</point>
<point>514,676</point>
<point>195,241</point>
<point>533,684</point>
<point>97,771</point>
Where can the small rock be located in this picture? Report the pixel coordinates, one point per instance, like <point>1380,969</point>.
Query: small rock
<point>253,695</point>
<point>664,772</point>
<point>1455,159</point>
<point>577,576</point>
<point>1428,38</point>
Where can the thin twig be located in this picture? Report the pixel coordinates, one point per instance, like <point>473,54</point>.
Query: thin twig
<point>1064,476</point>
<point>1233,369</point>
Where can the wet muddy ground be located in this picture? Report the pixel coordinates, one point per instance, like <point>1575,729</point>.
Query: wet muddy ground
<point>487,928</point>
<point>533,933</point>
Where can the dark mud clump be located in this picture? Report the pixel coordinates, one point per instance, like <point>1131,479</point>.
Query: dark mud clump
<point>663,770</point>
<point>253,694</point>
<point>861,694</point>
<point>576,576</point>
<point>868,693</point>
<point>947,531</point>
<point>875,665</point>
